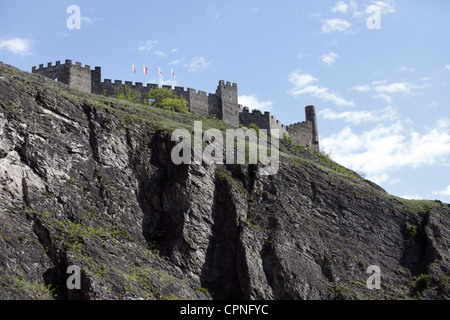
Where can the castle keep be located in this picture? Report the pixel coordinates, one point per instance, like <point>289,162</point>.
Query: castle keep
<point>223,103</point>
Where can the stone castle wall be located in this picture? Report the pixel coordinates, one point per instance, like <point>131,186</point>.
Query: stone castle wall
<point>76,76</point>
<point>262,120</point>
<point>223,104</point>
<point>301,133</point>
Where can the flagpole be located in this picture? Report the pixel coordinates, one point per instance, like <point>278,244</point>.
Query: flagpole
<point>173,78</point>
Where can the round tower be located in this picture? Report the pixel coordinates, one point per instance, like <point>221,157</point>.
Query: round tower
<point>310,112</point>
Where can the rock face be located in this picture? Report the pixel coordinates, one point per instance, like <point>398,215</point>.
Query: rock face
<point>88,181</point>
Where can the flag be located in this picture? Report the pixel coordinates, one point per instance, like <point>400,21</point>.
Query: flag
<point>173,73</point>
<point>160,71</point>
<point>134,69</point>
<point>145,69</point>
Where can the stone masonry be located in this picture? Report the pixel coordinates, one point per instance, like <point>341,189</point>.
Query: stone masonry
<point>223,104</point>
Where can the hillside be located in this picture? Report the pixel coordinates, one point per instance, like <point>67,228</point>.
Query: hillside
<point>88,181</point>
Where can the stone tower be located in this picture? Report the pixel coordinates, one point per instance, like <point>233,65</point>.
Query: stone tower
<point>228,97</point>
<point>76,76</point>
<point>310,112</point>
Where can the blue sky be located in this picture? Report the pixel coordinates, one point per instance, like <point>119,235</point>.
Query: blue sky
<point>382,95</point>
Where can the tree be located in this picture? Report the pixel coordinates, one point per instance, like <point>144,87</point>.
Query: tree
<point>166,99</point>
<point>159,97</point>
<point>125,92</point>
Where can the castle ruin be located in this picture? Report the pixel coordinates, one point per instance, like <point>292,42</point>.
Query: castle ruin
<point>223,103</point>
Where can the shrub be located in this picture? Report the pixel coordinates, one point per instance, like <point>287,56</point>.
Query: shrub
<point>167,99</point>
<point>421,282</point>
<point>125,92</point>
<point>254,127</point>
<point>287,139</point>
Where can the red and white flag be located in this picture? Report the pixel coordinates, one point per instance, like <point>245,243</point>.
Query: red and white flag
<point>173,73</point>
<point>160,71</point>
<point>133,69</point>
<point>145,69</point>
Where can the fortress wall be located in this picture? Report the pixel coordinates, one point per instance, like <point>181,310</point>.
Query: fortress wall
<point>76,76</point>
<point>275,124</point>
<point>108,86</point>
<point>301,133</point>
<point>223,104</point>
<point>80,77</point>
<point>261,120</point>
<point>55,72</point>
<point>198,102</point>
<point>214,105</point>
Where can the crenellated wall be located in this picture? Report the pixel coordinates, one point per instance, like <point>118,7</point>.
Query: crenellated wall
<point>301,133</point>
<point>262,120</point>
<point>223,104</point>
<point>76,76</point>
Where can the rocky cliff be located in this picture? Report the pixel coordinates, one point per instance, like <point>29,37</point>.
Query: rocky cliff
<point>88,181</point>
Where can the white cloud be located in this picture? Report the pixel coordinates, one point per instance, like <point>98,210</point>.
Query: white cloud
<point>340,6</point>
<point>384,97</point>
<point>362,88</point>
<point>160,53</point>
<point>394,181</point>
<point>300,80</point>
<point>444,192</point>
<point>300,55</point>
<point>253,102</point>
<point>396,88</point>
<point>433,103</point>
<point>20,46</point>
<point>89,20</point>
<point>329,58</point>
<point>411,197</point>
<point>357,117</point>
<point>212,14</point>
<point>303,85</point>
<point>176,62</point>
<point>147,45</point>
<point>354,6</point>
<point>336,24</point>
<point>388,147</point>
<point>406,69</point>
<point>447,67</point>
<point>384,7</point>
<point>197,64</point>
<point>443,123</point>
<point>383,90</point>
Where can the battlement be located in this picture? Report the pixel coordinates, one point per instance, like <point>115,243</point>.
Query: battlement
<point>148,86</point>
<point>195,92</point>
<point>299,124</point>
<point>227,84</point>
<point>264,120</point>
<point>58,64</point>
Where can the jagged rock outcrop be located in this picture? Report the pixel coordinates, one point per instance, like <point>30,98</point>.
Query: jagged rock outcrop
<point>88,181</point>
